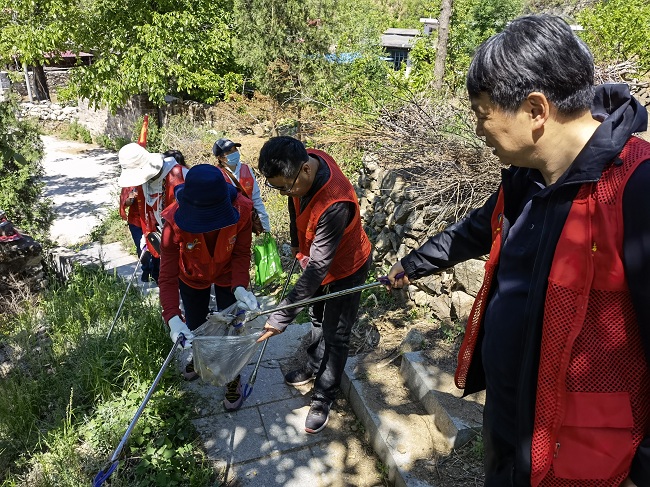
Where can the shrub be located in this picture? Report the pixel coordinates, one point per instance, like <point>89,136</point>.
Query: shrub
<point>21,191</point>
<point>76,131</point>
<point>618,30</point>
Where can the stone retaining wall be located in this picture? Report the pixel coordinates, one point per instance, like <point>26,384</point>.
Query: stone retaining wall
<point>398,219</point>
<point>46,110</point>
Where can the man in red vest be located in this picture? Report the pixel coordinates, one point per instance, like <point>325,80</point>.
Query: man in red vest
<point>559,335</point>
<point>206,242</point>
<point>228,157</point>
<point>325,227</point>
<point>155,177</point>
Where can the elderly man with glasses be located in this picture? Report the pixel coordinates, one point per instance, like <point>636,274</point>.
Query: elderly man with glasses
<point>325,227</point>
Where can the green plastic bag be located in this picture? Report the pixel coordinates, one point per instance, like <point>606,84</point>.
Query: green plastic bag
<point>267,260</point>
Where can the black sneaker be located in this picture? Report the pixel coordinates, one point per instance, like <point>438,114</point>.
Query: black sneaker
<point>318,416</point>
<point>299,377</point>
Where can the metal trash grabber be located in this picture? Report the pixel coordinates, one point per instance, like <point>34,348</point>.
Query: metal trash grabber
<point>119,309</point>
<point>103,475</point>
<point>248,388</point>
<point>381,281</point>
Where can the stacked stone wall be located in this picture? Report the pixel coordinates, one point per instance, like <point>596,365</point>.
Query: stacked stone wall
<point>398,219</point>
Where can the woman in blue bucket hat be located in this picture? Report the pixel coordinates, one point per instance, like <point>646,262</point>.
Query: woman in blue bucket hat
<point>206,241</point>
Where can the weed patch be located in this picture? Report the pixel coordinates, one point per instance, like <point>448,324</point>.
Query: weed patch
<point>70,392</point>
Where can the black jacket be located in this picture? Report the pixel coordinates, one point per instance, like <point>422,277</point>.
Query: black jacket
<point>471,238</point>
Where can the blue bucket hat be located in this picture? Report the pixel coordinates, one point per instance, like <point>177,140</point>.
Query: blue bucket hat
<point>205,201</point>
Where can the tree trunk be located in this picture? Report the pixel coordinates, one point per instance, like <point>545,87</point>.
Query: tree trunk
<point>443,36</point>
<point>28,83</point>
<point>40,83</point>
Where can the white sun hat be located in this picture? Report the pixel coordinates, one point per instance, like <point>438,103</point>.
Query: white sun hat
<point>138,165</point>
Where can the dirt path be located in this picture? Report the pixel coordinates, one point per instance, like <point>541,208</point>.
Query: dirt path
<point>81,180</point>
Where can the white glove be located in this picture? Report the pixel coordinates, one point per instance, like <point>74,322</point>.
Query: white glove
<point>178,326</point>
<point>245,299</point>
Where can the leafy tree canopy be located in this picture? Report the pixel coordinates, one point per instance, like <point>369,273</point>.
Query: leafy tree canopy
<point>618,30</point>
<point>174,46</point>
<point>31,29</point>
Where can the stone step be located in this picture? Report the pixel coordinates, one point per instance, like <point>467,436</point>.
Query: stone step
<point>401,432</point>
<point>458,419</point>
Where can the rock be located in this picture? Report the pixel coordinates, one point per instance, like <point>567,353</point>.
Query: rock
<point>382,243</point>
<point>397,193</point>
<point>412,342</point>
<point>379,219</point>
<point>431,284</point>
<point>440,307</point>
<point>402,251</point>
<point>364,181</point>
<point>410,243</point>
<point>412,193</point>
<point>403,211</point>
<point>461,305</point>
<point>394,241</point>
<point>420,298</point>
<point>388,181</point>
<point>370,162</point>
<point>469,275</point>
<point>415,225</point>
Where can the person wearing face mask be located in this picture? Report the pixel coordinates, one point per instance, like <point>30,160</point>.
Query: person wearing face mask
<point>228,159</point>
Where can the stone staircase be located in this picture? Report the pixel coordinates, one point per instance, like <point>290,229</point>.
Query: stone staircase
<point>412,414</point>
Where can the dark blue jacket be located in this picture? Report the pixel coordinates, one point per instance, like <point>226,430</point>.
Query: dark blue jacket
<point>471,238</point>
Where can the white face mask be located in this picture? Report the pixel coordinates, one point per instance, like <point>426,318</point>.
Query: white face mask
<point>233,158</point>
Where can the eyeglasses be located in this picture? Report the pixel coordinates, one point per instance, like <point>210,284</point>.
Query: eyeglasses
<point>284,188</point>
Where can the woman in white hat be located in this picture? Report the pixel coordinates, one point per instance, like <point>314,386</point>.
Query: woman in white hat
<point>155,178</point>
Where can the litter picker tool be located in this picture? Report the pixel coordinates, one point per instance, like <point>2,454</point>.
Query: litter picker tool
<point>381,281</point>
<point>248,388</point>
<point>103,475</point>
<point>119,309</point>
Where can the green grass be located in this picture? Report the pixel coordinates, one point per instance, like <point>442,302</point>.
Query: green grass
<point>71,393</point>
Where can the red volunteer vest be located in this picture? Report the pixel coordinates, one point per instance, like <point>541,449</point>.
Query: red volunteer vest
<point>133,216</point>
<point>147,213</point>
<point>354,249</point>
<point>245,178</point>
<point>199,269</point>
<point>592,406</point>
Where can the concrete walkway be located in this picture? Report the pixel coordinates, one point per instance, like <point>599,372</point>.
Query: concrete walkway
<point>81,179</point>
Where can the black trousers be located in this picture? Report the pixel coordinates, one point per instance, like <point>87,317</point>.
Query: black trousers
<point>197,302</point>
<point>499,454</point>
<point>332,322</point>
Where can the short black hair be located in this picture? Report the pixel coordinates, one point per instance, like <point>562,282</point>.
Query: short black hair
<point>534,53</point>
<point>282,156</point>
<point>176,154</point>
